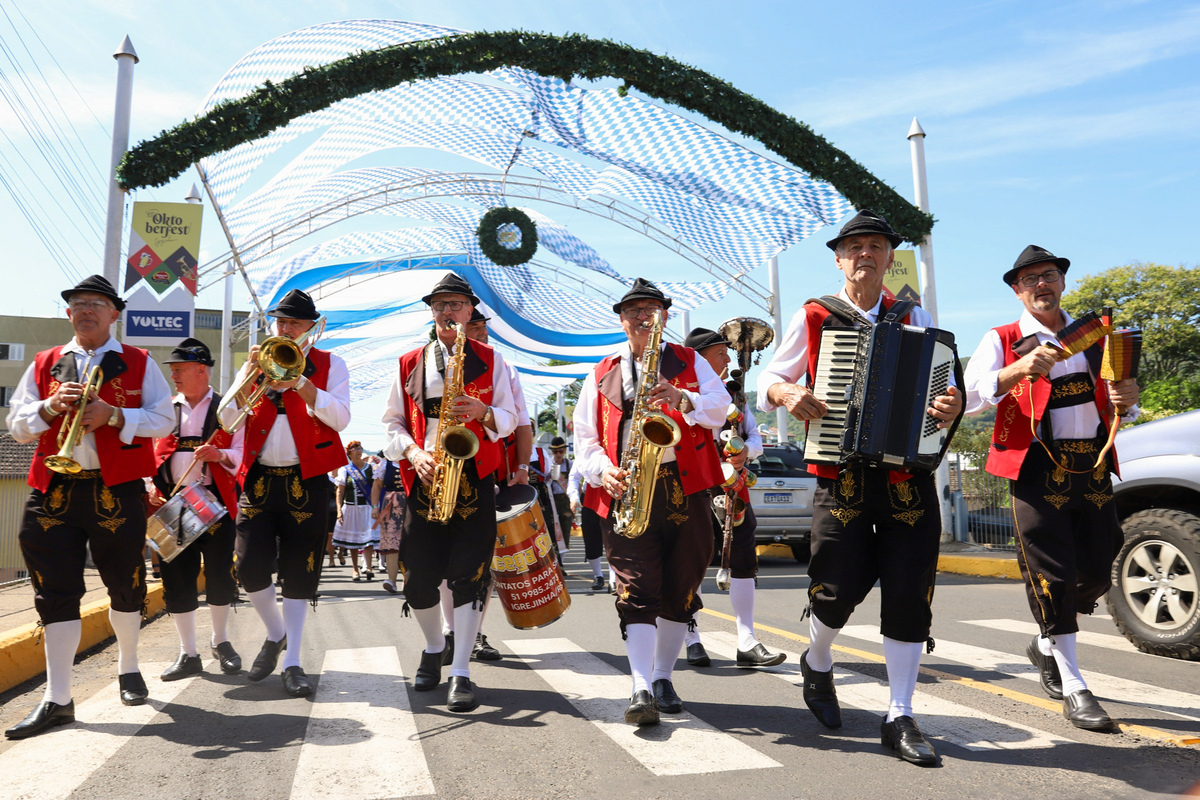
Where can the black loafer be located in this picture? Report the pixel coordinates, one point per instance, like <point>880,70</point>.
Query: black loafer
<point>1047,670</point>
<point>429,671</point>
<point>265,661</point>
<point>819,694</point>
<point>759,656</point>
<point>642,709</point>
<point>133,688</point>
<point>45,715</point>
<point>295,682</point>
<point>227,657</point>
<point>598,585</point>
<point>484,651</point>
<point>904,737</point>
<point>184,667</point>
<point>448,652</point>
<point>1084,712</point>
<point>697,656</point>
<point>665,698</point>
<point>461,696</point>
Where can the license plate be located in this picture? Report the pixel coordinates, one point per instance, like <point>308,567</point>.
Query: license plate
<point>777,497</point>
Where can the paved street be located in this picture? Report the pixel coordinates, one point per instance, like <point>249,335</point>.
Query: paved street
<point>549,723</point>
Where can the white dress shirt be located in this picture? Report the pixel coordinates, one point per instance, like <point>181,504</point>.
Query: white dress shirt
<point>155,417</point>
<point>574,489</point>
<point>191,423</point>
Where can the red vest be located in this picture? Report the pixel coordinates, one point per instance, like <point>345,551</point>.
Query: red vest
<point>1012,434</point>
<point>699,464</point>
<point>816,317</point>
<point>318,445</point>
<point>477,382</point>
<point>165,447</point>
<point>122,387</point>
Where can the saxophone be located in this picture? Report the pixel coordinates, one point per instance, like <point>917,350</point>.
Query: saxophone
<point>454,443</point>
<point>650,432</point>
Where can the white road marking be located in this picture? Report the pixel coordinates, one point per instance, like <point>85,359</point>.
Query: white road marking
<point>56,763</point>
<point>362,740</point>
<point>938,718</point>
<point>1168,701</point>
<point>1030,628</point>
<point>680,745</point>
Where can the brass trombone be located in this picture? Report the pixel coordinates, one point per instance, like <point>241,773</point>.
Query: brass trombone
<point>71,432</point>
<point>280,360</point>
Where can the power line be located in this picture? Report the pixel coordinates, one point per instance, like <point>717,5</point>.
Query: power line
<point>56,253</point>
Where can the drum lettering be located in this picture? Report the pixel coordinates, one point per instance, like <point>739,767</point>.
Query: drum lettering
<point>543,543</point>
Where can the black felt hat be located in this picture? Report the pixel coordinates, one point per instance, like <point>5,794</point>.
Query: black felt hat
<point>295,305</point>
<point>557,442</point>
<point>1034,255</point>
<point>642,290</point>
<point>192,350</point>
<point>477,316</point>
<point>96,284</point>
<point>864,222</point>
<point>451,284</point>
<point>701,338</point>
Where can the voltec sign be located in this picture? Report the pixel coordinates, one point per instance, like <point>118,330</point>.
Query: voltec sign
<point>150,323</point>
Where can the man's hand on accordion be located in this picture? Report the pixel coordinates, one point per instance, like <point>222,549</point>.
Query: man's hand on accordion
<point>798,400</point>
<point>946,407</point>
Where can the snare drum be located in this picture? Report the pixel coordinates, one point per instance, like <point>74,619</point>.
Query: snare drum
<point>183,519</point>
<point>525,568</point>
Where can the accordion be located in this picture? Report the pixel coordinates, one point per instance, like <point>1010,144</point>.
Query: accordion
<point>878,382</point>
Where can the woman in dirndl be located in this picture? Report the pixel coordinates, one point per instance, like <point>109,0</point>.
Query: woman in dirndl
<point>354,529</point>
<point>387,494</point>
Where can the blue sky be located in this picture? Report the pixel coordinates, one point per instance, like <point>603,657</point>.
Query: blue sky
<point>1070,125</point>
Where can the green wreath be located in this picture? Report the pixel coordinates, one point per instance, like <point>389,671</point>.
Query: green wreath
<point>488,234</point>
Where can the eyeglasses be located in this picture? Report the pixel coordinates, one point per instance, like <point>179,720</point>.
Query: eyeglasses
<point>641,311</point>
<point>441,305</point>
<point>1049,276</point>
<point>88,305</point>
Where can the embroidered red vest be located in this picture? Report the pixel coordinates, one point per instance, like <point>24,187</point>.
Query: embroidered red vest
<point>490,455</point>
<point>817,318</point>
<point>1012,434</point>
<point>166,447</point>
<point>119,462</point>
<point>696,453</point>
<point>318,445</point>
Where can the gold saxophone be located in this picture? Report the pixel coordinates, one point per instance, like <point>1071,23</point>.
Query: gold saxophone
<point>650,432</point>
<point>454,443</point>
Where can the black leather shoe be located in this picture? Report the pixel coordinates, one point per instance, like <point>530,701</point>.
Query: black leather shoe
<point>759,656</point>
<point>1047,670</point>
<point>665,698</point>
<point>461,696</point>
<point>429,671</point>
<point>903,736</point>
<point>484,651</point>
<point>44,717</point>
<point>133,688</point>
<point>697,656</point>
<point>448,653</point>
<point>599,585</point>
<point>230,661</point>
<point>643,710</point>
<point>295,682</point>
<point>819,694</point>
<point>267,658</point>
<point>184,667</point>
<point>1084,712</point>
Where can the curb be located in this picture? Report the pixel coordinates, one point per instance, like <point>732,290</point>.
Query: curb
<point>983,566</point>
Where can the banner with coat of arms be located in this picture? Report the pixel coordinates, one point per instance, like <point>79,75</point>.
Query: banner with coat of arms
<point>164,242</point>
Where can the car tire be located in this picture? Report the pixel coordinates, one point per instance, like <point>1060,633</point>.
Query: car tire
<point>802,552</point>
<point>1164,625</point>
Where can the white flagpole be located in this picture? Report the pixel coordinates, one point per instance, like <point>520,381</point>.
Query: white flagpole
<point>126,57</point>
<point>776,309</point>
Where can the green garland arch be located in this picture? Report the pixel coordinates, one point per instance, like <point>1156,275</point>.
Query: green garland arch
<point>156,161</point>
<point>489,243</point>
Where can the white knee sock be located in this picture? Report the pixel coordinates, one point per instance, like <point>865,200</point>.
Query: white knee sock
<point>903,660</point>
<point>594,563</point>
<point>62,642</point>
<point>264,603</point>
<point>220,623</point>
<point>126,625</point>
<point>693,631</point>
<point>447,606</point>
<point>185,626</point>
<point>430,620</point>
<point>295,612</point>
<point>1063,647</point>
<point>741,596</point>
<point>467,620</point>
<point>612,576</point>
<point>639,647</point>
<point>1044,646</point>
<point>667,647</point>
<point>820,656</point>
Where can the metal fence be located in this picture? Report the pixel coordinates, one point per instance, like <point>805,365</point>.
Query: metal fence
<point>984,503</point>
<point>14,467</point>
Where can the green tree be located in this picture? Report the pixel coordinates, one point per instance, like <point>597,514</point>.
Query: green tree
<point>547,417</point>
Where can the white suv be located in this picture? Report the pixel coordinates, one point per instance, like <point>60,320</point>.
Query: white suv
<point>782,498</point>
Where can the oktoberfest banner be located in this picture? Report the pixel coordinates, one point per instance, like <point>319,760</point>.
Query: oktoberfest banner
<point>164,242</point>
<point>901,278</point>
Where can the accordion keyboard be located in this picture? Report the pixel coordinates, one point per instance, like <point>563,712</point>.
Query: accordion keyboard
<point>832,385</point>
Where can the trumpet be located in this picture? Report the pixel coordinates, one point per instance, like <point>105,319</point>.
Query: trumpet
<point>71,432</point>
<point>280,360</point>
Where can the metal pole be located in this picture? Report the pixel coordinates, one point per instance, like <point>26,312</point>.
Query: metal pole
<point>126,57</point>
<point>562,411</point>
<point>776,310</point>
<point>686,320</point>
<point>916,141</point>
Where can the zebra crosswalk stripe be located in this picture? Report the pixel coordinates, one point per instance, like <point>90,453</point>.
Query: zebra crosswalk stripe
<point>1029,628</point>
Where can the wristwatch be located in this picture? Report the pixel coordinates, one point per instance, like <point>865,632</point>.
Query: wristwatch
<point>522,467</point>
<point>114,419</point>
<point>488,416</point>
<point>301,382</point>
